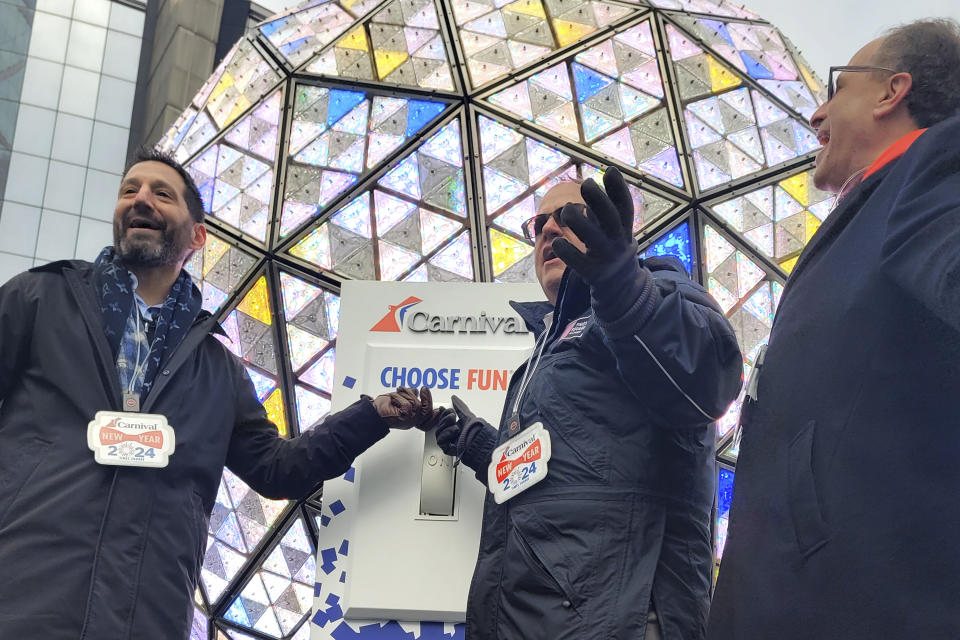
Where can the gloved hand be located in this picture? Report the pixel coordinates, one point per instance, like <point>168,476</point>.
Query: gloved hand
<point>448,431</point>
<point>460,433</point>
<point>609,265</point>
<point>403,408</point>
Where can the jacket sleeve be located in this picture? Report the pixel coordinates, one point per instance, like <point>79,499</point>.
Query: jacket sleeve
<point>921,248</point>
<point>17,312</point>
<point>675,349</point>
<point>477,448</point>
<point>293,468</point>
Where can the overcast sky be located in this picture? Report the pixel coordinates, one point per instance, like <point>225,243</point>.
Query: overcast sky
<point>828,32</point>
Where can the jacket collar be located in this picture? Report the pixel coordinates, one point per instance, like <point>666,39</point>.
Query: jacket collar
<point>893,152</point>
<point>852,201</point>
<point>215,326</point>
<point>532,314</point>
<point>84,269</point>
<point>836,222</point>
<point>573,298</point>
<point>58,266</point>
<point>848,207</point>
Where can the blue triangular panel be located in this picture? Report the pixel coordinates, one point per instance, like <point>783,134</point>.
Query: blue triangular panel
<point>588,81</point>
<point>341,102</point>
<point>754,68</point>
<point>720,28</point>
<point>675,242</point>
<point>420,112</point>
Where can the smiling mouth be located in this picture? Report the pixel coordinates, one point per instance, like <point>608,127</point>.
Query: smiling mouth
<point>824,140</point>
<point>142,223</point>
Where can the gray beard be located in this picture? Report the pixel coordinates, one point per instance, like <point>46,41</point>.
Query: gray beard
<point>147,254</point>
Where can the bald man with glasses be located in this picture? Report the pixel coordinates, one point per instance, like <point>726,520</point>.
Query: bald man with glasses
<point>602,476</point>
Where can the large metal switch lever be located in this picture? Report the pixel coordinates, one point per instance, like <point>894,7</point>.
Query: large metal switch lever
<point>438,479</point>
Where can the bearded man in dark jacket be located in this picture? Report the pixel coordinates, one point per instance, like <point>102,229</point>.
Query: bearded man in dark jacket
<point>597,524</point>
<point>845,514</point>
<point>108,543</point>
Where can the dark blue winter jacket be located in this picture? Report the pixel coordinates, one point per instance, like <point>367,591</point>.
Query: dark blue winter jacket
<point>622,520</point>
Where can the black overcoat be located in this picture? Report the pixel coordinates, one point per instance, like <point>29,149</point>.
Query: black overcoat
<point>845,509</point>
<point>105,552</point>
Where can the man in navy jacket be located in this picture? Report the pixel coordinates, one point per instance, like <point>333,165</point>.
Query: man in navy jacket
<point>90,548</point>
<point>633,364</point>
<point>845,513</point>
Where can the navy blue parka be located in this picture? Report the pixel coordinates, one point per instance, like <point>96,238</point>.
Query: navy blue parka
<point>622,520</point>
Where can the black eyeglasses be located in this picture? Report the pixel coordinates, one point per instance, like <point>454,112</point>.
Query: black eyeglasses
<point>831,85</point>
<point>534,226</point>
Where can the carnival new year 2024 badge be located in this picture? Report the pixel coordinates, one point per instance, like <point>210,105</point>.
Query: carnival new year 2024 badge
<point>519,463</point>
<point>130,439</point>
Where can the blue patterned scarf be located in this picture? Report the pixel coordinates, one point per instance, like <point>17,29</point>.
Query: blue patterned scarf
<point>115,292</point>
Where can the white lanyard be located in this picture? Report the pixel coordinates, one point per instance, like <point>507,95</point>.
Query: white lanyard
<point>140,368</point>
<point>528,374</point>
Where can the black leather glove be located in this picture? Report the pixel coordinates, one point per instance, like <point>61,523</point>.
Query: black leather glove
<point>448,431</point>
<point>609,265</point>
<point>460,433</point>
<point>403,408</point>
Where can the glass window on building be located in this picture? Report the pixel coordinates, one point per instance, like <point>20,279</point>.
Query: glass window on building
<point>68,72</point>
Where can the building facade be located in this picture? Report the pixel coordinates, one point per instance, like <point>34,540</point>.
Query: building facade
<point>82,84</point>
<point>68,72</point>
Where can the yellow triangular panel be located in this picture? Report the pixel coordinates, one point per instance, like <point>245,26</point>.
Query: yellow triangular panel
<point>256,303</point>
<point>568,32</point>
<point>527,7</point>
<point>506,251</point>
<point>788,265</point>
<point>387,61</point>
<point>238,108</point>
<point>812,223</point>
<point>225,81</point>
<point>720,77</point>
<point>356,39</point>
<point>796,186</point>
<point>811,80</point>
<point>212,252</point>
<point>275,413</point>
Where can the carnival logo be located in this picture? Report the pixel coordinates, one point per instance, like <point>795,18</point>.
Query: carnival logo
<point>393,320</point>
<point>397,319</point>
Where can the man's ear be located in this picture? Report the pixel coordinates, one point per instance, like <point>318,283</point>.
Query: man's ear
<point>896,89</point>
<point>199,236</point>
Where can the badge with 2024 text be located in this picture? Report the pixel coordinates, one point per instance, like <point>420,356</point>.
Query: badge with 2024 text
<point>130,439</point>
<point>519,463</point>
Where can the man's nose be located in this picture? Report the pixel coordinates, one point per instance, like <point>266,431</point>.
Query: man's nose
<point>143,198</point>
<point>551,229</point>
<point>819,116</point>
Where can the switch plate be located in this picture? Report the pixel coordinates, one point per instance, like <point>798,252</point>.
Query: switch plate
<point>438,480</point>
<point>402,565</point>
